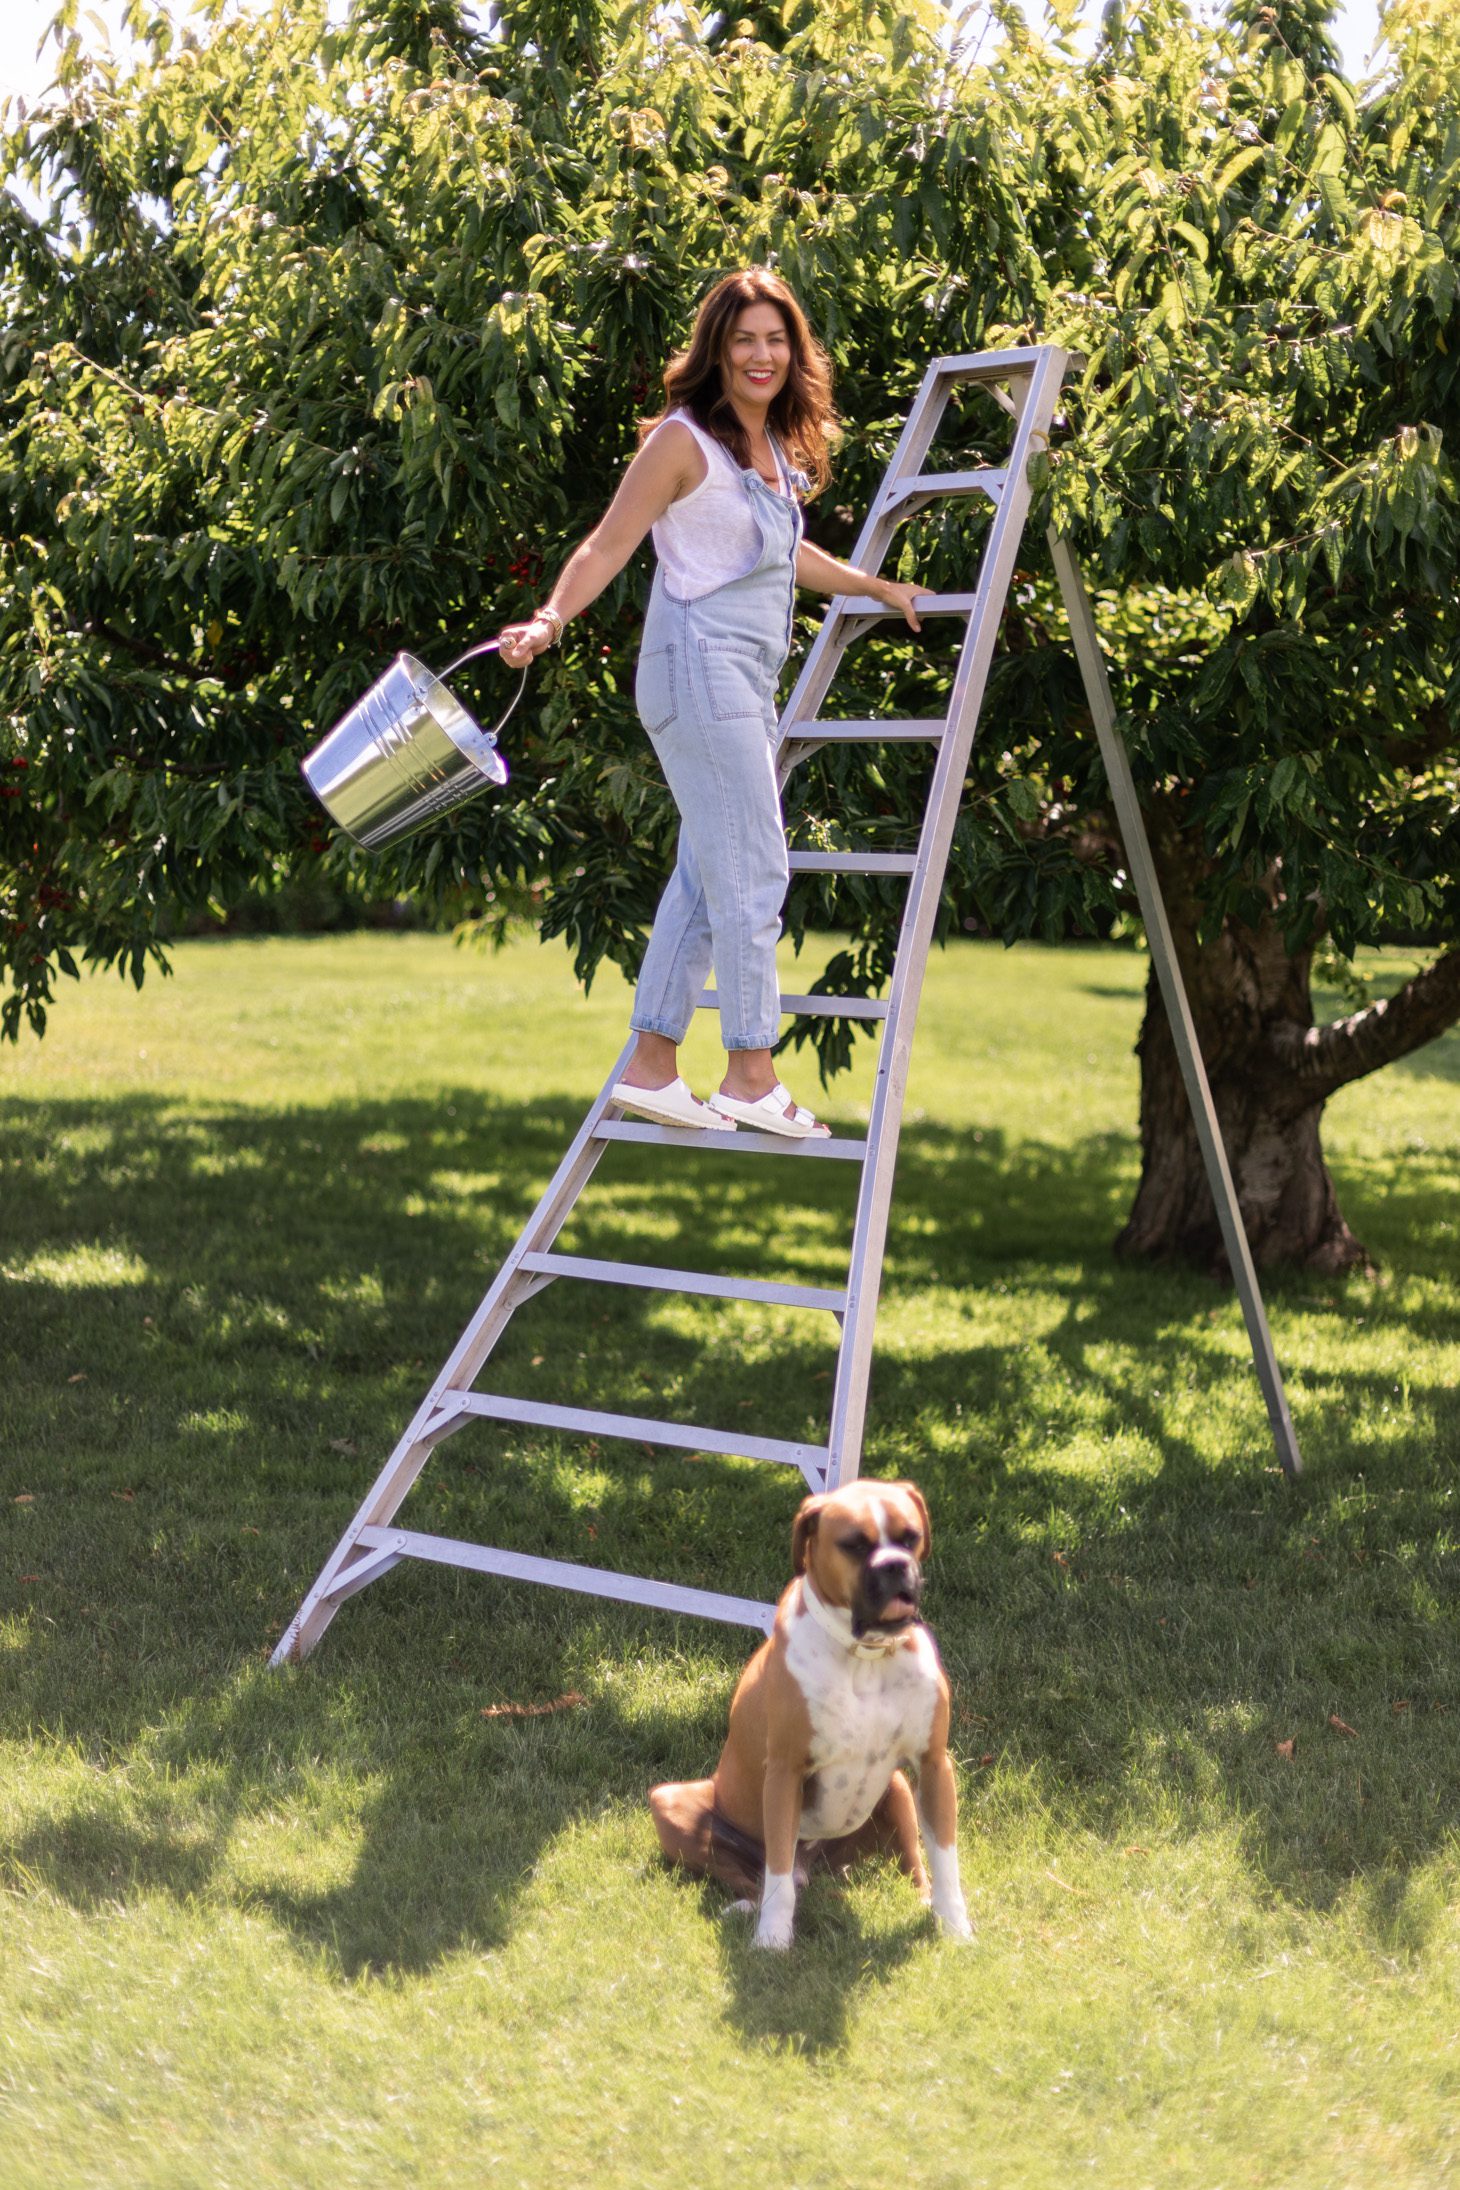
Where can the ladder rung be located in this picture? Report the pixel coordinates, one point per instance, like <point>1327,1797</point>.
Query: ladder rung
<point>593,1581</point>
<point>817,1007</point>
<point>686,1281</point>
<point>862,608</point>
<point>743,1142</point>
<point>931,486</point>
<point>853,862</point>
<point>593,1422</point>
<point>911,726</point>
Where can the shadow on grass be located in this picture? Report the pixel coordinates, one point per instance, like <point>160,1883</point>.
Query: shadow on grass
<point>218,1321</point>
<point>803,1999</point>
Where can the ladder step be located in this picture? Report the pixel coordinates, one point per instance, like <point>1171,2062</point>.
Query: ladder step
<point>817,1007</point>
<point>686,1281</point>
<point>931,727</point>
<point>862,609</point>
<point>593,1422</point>
<point>592,1581</point>
<point>742,1142</point>
<point>931,486</point>
<point>853,862</point>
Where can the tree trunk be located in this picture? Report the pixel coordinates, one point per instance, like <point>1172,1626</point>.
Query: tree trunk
<point>1289,1206</point>
<point>1271,1071</point>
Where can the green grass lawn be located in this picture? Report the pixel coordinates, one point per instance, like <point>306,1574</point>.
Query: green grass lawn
<point>337,1927</point>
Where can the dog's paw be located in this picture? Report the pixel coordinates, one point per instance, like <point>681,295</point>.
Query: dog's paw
<point>953,1924</point>
<point>777,1937</point>
<point>777,1911</point>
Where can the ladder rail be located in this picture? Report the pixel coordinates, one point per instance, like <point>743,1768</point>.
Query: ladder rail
<point>1142,868</point>
<point>398,1476</point>
<point>849,1396</point>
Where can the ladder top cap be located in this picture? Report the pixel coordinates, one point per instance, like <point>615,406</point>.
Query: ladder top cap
<point>1004,364</point>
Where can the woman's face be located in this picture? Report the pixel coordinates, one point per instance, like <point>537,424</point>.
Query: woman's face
<point>757,354</point>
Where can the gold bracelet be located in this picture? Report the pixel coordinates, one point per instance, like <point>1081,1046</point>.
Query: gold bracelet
<point>549,616</point>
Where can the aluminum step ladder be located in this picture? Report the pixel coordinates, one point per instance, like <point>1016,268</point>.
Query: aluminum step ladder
<point>1026,384</point>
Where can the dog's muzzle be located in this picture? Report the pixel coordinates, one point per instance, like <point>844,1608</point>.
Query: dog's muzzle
<point>888,1592</point>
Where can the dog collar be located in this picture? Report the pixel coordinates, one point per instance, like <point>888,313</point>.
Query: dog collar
<point>837,1622</point>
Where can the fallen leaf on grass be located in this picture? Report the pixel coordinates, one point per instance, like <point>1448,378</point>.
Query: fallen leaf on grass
<point>1285,1748</point>
<point>343,1444</point>
<point>533,1710</point>
<point>78,1378</point>
<point>23,1498</point>
<point>1396,1708</point>
<point>128,1495</point>
<point>1340,1727</point>
<point>30,1577</point>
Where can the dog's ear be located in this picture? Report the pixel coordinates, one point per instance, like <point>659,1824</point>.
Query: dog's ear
<point>803,1529</point>
<point>922,1505</point>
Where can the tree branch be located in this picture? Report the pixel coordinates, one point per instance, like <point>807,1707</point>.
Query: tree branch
<point>157,658</point>
<point>1324,1059</point>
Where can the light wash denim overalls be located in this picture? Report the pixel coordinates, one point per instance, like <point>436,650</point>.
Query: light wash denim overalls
<point>706,695</point>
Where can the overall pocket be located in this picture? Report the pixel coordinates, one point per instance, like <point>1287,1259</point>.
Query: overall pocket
<point>654,689</point>
<point>737,677</point>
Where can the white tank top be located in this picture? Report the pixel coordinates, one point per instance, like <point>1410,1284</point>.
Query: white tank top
<point>710,535</point>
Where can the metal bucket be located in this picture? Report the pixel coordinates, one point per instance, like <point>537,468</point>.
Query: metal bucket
<point>405,753</point>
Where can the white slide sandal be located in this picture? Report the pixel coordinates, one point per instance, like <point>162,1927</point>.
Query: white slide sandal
<point>671,1105</point>
<point>773,1113</point>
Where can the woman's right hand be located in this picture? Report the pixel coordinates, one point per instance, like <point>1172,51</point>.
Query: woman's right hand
<point>518,644</point>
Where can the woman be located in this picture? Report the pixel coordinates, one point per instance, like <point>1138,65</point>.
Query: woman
<point>714,480</point>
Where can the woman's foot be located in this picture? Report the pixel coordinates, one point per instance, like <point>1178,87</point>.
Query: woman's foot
<point>774,1112</point>
<point>670,1105</point>
<point>651,1088</point>
<point>750,1084</point>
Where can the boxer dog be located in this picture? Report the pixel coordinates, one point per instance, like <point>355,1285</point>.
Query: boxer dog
<point>847,1687</point>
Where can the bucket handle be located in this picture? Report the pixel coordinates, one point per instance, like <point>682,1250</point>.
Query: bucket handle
<point>487,646</point>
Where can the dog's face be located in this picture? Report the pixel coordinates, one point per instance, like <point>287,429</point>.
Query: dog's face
<point>863,1548</point>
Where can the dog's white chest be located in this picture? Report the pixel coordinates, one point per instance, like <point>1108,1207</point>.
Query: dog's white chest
<point>868,1715</point>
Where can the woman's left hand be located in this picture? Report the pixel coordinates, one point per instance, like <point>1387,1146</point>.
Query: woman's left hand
<point>901,597</point>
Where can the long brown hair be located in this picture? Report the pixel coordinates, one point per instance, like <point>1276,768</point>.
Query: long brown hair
<point>801,415</point>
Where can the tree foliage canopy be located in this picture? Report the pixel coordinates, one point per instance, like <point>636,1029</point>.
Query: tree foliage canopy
<point>334,337</point>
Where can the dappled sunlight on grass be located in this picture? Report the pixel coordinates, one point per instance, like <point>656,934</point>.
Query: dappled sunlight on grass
<point>90,1264</point>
